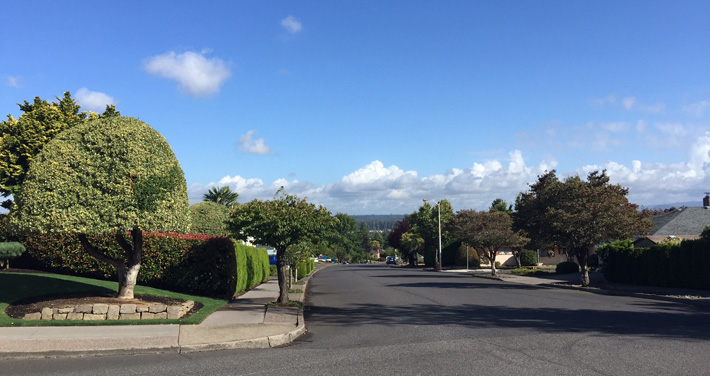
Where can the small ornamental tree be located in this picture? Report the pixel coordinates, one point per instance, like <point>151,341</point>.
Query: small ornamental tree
<point>10,250</point>
<point>209,217</point>
<point>280,223</point>
<point>111,175</point>
<point>488,232</point>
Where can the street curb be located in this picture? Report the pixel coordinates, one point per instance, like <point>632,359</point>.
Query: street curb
<point>692,302</point>
<point>600,290</point>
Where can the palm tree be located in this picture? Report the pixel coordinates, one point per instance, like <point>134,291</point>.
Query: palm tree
<point>222,196</point>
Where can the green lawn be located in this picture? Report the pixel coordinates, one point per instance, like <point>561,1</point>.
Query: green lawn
<point>19,286</point>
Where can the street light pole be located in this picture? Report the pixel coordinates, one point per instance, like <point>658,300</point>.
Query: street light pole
<point>438,206</point>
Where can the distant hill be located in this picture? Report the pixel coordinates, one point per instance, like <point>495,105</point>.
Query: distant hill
<point>379,222</point>
<point>690,204</point>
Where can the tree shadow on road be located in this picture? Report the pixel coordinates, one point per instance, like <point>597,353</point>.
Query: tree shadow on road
<point>668,321</point>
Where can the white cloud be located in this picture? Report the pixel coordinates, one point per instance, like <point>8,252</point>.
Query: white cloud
<point>697,109</point>
<point>197,75</point>
<point>292,25</point>
<point>379,189</point>
<point>93,100</point>
<point>13,81</point>
<point>251,146</point>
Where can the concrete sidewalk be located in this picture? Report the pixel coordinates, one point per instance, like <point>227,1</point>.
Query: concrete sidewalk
<point>599,285</point>
<point>245,322</point>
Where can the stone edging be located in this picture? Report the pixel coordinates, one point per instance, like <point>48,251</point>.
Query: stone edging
<point>103,311</point>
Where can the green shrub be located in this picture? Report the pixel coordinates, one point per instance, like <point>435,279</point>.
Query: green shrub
<point>273,270</point>
<point>528,257</point>
<point>209,218</point>
<point>240,251</point>
<point>10,250</point>
<point>567,267</point>
<point>301,269</point>
<point>497,264</point>
<point>190,263</point>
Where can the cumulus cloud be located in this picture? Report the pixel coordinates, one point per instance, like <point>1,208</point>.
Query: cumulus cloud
<point>93,100</point>
<point>252,146</point>
<point>197,75</point>
<point>292,25</point>
<point>380,189</point>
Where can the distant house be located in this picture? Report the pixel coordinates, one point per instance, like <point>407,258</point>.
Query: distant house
<point>685,224</point>
<point>375,253</point>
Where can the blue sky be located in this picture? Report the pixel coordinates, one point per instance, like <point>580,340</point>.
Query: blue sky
<point>367,107</point>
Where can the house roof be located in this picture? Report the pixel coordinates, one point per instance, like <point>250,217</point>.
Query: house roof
<point>686,221</point>
<point>659,238</point>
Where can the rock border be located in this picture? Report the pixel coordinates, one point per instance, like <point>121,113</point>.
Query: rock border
<point>104,311</point>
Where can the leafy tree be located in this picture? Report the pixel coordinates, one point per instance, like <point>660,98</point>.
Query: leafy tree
<point>21,139</point>
<point>425,223</point>
<point>344,237</point>
<point>501,206</point>
<point>209,217</point>
<point>298,252</point>
<point>365,242</point>
<point>282,222</point>
<point>222,196</point>
<point>109,175</point>
<point>395,240</point>
<point>412,244</point>
<point>579,215</point>
<point>487,232</point>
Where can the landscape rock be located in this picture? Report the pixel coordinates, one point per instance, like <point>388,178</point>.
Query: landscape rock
<point>84,308</point>
<point>47,313</point>
<point>75,316</point>
<point>174,312</point>
<point>113,312</point>
<point>128,308</point>
<point>155,308</point>
<point>130,316</point>
<point>100,308</point>
<point>33,316</point>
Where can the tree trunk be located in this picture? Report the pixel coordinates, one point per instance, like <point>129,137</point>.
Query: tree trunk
<point>518,254</point>
<point>582,257</point>
<point>492,258</point>
<point>283,282</point>
<point>127,271</point>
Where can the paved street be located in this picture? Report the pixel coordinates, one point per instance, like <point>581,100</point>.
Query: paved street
<point>380,320</point>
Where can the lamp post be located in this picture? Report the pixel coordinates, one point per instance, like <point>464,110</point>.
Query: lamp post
<point>438,205</point>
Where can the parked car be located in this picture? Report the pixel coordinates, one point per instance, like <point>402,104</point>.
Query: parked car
<point>346,261</point>
<point>391,260</point>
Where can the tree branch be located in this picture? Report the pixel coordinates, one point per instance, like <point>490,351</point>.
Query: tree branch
<point>94,252</point>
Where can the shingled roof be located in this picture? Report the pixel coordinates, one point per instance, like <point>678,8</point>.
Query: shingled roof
<point>686,221</point>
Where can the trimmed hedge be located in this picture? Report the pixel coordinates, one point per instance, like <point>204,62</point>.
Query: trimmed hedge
<point>305,267</point>
<point>191,263</point>
<point>675,265</point>
<point>241,254</point>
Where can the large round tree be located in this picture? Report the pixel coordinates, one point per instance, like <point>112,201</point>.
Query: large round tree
<point>114,175</point>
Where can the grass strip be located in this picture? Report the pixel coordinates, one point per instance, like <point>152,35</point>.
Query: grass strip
<point>21,286</point>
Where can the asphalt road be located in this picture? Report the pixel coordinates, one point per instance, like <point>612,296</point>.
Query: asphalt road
<point>380,320</point>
